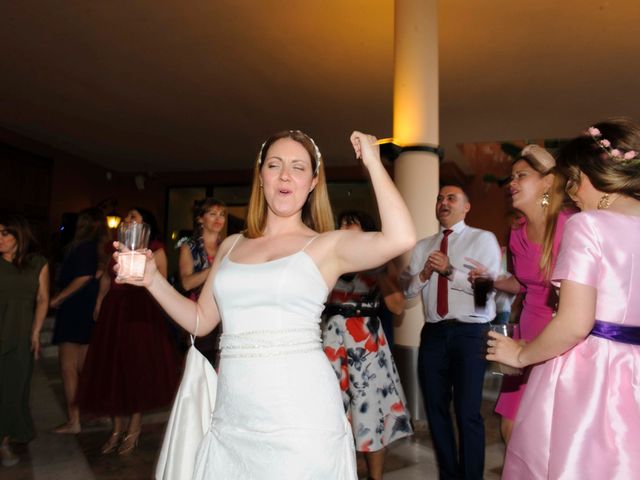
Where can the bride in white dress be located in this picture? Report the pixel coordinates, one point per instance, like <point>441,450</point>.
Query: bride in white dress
<point>278,411</point>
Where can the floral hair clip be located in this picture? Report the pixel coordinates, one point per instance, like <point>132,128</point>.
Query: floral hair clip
<point>615,153</point>
<point>315,147</point>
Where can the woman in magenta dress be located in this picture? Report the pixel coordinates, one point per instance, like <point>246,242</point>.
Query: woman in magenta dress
<point>533,246</point>
<point>580,415</point>
<point>132,365</point>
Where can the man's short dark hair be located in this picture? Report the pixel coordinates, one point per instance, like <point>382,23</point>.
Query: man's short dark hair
<point>456,185</point>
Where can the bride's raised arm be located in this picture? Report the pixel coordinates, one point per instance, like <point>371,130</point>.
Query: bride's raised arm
<point>358,251</point>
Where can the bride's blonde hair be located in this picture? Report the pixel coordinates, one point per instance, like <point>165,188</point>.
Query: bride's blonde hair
<point>316,212</point>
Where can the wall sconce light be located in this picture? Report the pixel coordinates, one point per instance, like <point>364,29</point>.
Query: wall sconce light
<point>113,220</point>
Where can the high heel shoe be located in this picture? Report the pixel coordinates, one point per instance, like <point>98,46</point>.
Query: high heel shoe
<point>129,443</point>
<point>111,444</point>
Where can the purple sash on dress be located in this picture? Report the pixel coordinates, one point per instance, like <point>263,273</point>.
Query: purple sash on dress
<point>616,332</point>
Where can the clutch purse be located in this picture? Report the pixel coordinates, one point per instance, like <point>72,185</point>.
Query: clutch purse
<point>190,418</point>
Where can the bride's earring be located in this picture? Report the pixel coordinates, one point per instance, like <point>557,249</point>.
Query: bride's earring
<point>546,200</point>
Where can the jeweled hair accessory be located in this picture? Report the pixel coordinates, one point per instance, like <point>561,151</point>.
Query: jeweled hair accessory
<point>614,153</point>
<point>315,147</point>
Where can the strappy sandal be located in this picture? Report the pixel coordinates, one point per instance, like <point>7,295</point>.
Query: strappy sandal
<point>129,443</point>
<point>111,444</point>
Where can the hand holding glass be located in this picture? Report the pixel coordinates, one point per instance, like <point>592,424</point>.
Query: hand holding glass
<point>133,239</point>
<point>499,368</point>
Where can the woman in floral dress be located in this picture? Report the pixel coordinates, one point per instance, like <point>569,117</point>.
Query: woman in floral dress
<point>196,258</point>
<point>355,343</point>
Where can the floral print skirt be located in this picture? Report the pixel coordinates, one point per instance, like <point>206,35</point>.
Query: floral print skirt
<point>371,391</point>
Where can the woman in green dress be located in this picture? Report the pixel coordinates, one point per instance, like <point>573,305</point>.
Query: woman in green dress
<point>24,300</point>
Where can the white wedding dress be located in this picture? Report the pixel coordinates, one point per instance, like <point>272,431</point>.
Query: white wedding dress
<point>278,411</point>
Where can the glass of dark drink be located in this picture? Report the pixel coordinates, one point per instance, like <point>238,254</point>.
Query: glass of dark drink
<point>482,286</point>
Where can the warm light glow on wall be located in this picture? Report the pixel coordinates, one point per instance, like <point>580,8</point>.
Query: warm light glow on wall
<point>415,78</point>
<point>409,127</point>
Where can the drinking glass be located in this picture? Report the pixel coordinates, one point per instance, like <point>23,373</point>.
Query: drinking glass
<point>499,368</point>
<point>482,286</point>
<point>133,240</point>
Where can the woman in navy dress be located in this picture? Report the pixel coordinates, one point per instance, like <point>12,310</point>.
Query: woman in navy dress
<point>75,301</point>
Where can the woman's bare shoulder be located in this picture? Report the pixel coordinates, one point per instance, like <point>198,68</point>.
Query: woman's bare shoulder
<point>228,243</point>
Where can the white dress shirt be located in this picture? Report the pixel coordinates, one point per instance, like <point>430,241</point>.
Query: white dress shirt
<point>464,242</point>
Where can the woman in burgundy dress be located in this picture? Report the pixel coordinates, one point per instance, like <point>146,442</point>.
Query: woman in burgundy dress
<point>132,365</point>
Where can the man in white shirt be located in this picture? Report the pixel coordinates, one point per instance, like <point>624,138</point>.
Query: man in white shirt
<point>451,360</point>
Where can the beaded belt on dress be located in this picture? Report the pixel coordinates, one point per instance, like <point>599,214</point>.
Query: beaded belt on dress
<point>270,343</point>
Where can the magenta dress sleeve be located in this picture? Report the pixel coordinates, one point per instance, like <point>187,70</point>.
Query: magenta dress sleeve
<point>516,242</point>
<point>580,253</point>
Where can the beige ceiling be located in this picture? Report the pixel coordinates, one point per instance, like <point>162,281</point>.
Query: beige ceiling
<point>158,85</point>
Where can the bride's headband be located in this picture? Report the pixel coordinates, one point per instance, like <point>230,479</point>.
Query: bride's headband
<point>315,147</point>
<point>615,154</point>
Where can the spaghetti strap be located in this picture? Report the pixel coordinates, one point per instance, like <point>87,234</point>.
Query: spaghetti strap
<point>195,332</point>
<point>309,243</point>
<point>233,245</point>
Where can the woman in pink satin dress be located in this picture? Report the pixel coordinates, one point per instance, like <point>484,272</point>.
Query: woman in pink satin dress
<point>580,414</point>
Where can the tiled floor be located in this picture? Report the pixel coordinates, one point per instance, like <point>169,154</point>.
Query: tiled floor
<point>71,457</point>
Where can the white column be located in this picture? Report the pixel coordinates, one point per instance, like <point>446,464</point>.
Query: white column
<point>415,123</point>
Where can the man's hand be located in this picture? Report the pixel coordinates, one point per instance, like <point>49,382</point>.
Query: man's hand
<point>439,262</point>
<point>426,272</point>
<point>478,271</point>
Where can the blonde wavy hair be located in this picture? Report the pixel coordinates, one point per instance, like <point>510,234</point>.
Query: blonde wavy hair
<point>543,162</point>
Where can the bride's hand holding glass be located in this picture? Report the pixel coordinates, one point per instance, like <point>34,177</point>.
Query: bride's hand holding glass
<point>150,267</point>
